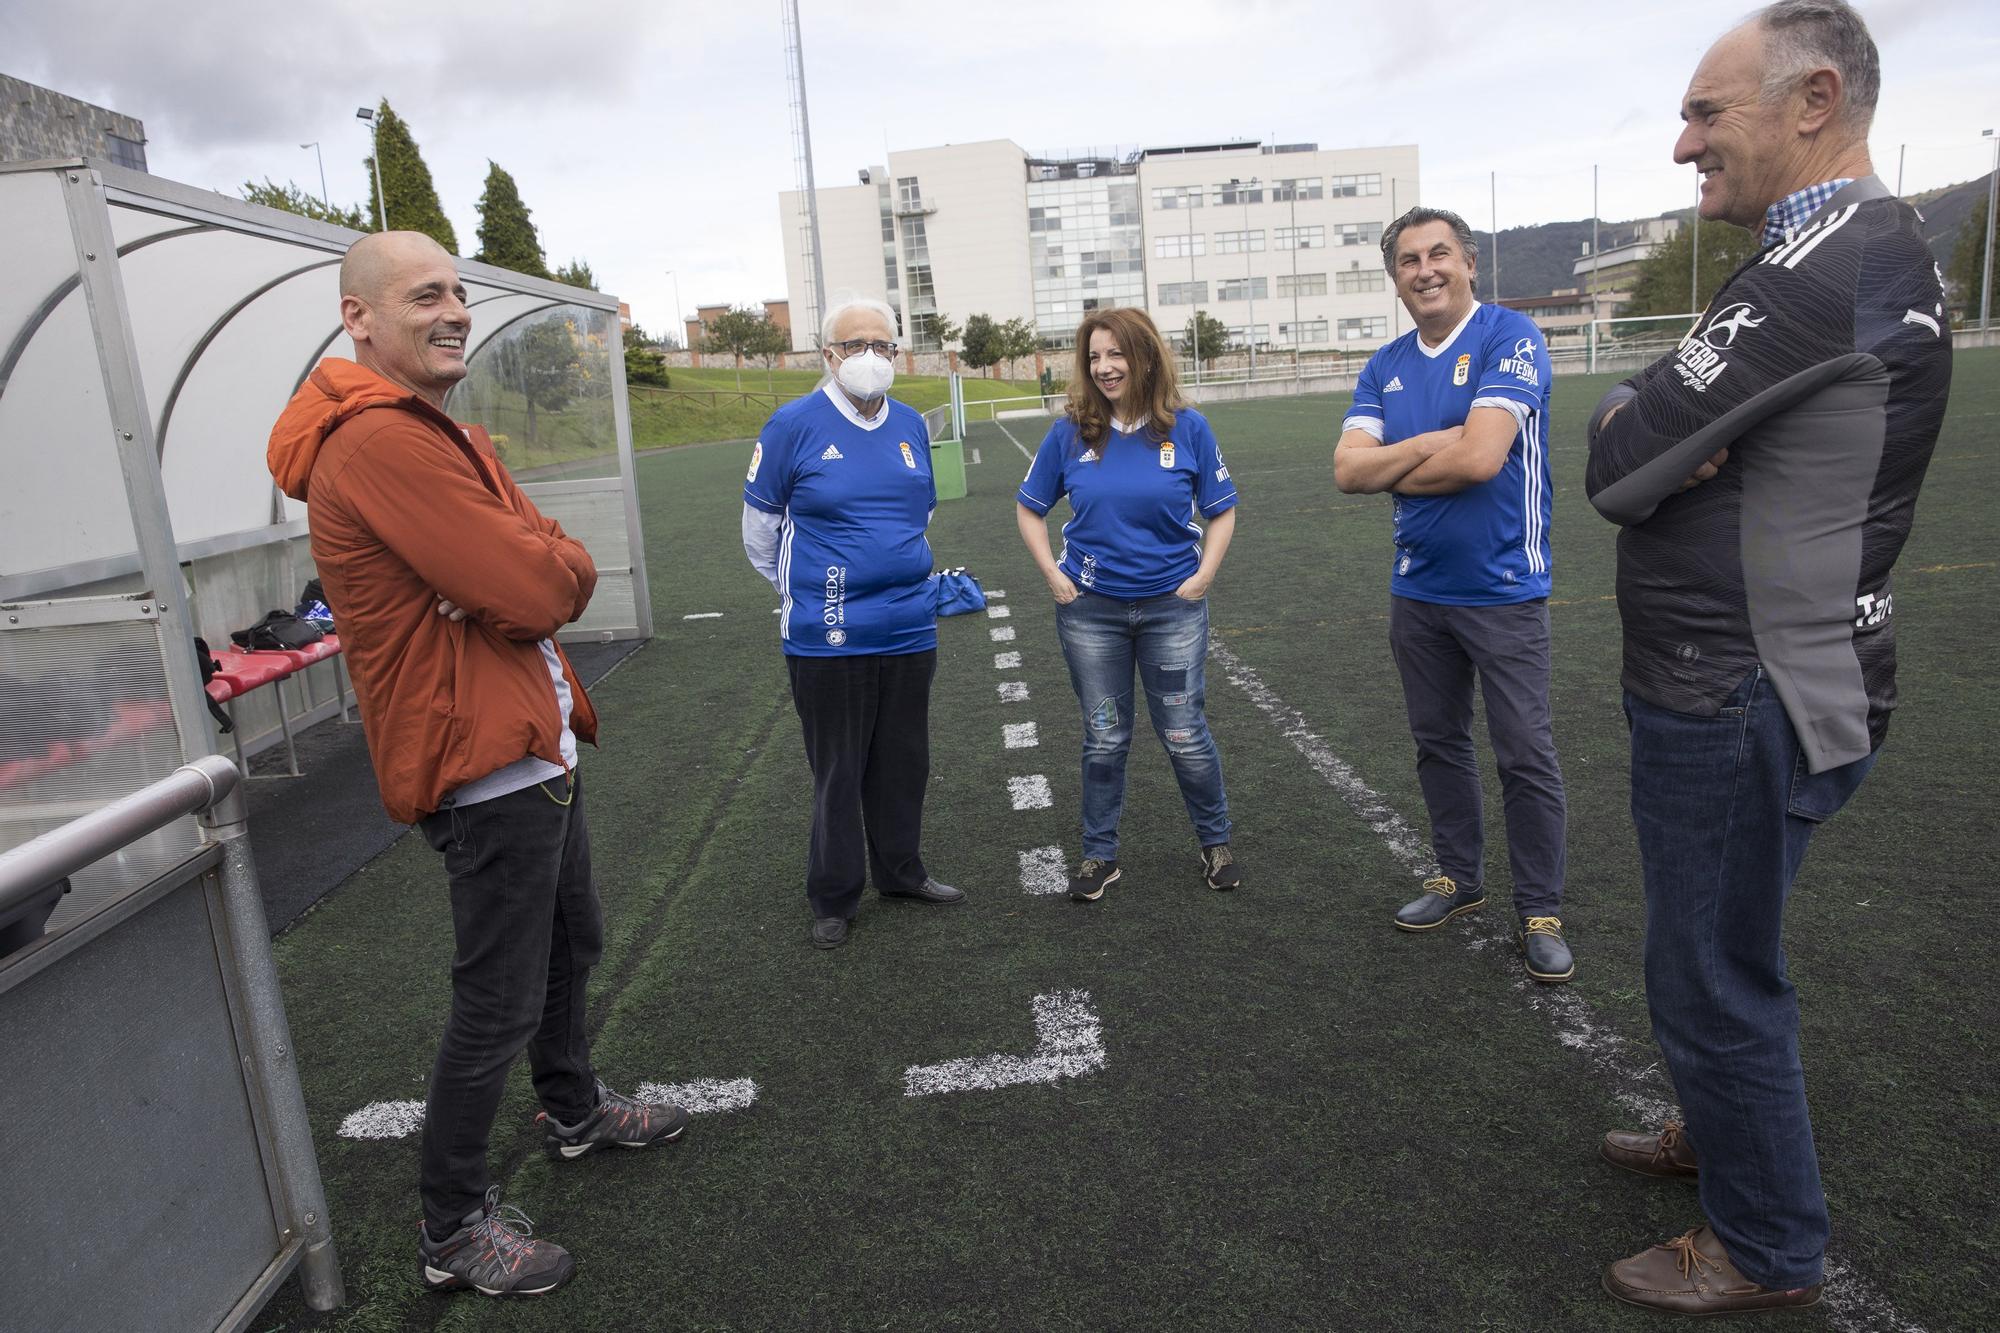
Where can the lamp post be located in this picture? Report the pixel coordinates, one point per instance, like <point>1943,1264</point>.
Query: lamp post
<point>367,113</point>
<point>1243,190</point>
<point>680,324</point>
<point>1986,273</point>
<point>323,197</point>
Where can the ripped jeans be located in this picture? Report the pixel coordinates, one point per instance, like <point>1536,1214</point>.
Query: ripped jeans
<point>1166,638</point>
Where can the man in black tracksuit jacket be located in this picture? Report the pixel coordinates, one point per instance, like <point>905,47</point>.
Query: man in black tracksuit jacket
<point>1765,474</point>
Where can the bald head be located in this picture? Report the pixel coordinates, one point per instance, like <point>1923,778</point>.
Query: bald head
<point>375,261</point>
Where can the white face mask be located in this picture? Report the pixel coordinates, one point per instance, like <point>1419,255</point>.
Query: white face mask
<point>865,376</point>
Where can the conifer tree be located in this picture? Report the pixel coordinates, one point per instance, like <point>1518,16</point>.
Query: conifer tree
<point>506,237</point>
<point>407,192</point>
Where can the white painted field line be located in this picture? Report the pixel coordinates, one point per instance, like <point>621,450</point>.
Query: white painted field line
<point>1069,1043</point>
<point>999,612</point>
<point>1002,633</point>
<point>975,457</point>
<point>1019,735</point>
<point>1013,692</point>
<point>1017,444</point>
<point>702,1096</point>
<point>1030,793</point>
<point>1044,871</point>
<point>1006,661</point>
<point>704,615</point>
<point>996,595</point>
<point>1636,1083</point>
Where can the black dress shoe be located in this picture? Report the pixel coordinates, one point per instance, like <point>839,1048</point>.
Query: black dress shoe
<point>930,891</point>
<point>1441,900</point>
<point>829,932</point>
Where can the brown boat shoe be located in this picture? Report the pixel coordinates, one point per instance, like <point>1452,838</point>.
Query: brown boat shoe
<point>1667,1153</point>
<point>1691,1274</point>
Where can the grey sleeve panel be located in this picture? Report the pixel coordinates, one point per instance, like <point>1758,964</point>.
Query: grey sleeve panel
<point>1633,497</point>
<point>1807,475</point>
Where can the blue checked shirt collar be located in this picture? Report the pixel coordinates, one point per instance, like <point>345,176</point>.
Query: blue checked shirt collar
<point>1784,218</point>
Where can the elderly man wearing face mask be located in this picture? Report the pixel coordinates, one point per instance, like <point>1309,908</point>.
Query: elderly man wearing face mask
<point>834,511</point>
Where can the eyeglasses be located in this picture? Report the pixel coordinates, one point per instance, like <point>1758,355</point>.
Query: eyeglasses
<point>856,346</point>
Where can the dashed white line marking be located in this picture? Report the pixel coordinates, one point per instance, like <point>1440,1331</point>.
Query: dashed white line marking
<point>1043,871</point>
<point>1013,692</point>
<point>1069,1043</point>
<point>1030,793</point>
<point>1006,661</point>
<point>999,612</point>
<point>1019,735</point>
<point>704,615</point>
<point>1855,1304</point>
<point>702,1096</point>
<point>997,593</point>
<point>1002,633</point>
<point>975,456</point>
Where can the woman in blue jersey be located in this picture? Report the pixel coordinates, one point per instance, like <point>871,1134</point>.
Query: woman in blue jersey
<point>834,512</point>
<point>1141,470</point>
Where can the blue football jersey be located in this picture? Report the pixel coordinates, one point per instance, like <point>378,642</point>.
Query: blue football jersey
<point>1135,527</point>
<point>1487,545</point>
<point>854,565</point>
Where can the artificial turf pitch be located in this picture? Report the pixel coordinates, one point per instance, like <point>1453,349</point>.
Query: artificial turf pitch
<point>1305,1119</point>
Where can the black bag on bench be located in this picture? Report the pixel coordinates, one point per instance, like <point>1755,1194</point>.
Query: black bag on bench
<point>278,630</point>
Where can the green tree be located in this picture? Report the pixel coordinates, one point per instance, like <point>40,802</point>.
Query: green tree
<point>1968,261</point>
<point>769,344</point>
<point>1017,339</point>
<point>1662,286</point>
<point>292,199</point>
<point>742,331</point>
<point>577,273</point>
<point>945,330</point>
<point>979,342</point>
<point>506,237</point>
<point>1208,335</point>
<point>643,362</point>
<point>408,194</point>
<point>545,363</point>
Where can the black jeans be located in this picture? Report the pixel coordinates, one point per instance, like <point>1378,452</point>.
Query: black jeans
<point>867,723</point>
<point>529,928</point>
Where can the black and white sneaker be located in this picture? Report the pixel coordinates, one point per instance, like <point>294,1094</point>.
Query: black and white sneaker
<point>1218,867</point>
<point>1088,885</point>
<point>494,1253</point>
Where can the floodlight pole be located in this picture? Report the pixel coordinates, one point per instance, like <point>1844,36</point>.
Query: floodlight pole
<point>1493,202</point>
<point>324,198</point>
<point>367,113</point>
<point>1596,269</point>
<point>1249,280</point>
<point>790,14</point>
<point>1195,340</point>
<point>1986,273</point>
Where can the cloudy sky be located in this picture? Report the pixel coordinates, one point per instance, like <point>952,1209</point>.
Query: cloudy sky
<point>654,137</point>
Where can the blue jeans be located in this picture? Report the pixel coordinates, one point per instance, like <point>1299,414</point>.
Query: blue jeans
<point>1166,638</point>
<point>1724,807</point>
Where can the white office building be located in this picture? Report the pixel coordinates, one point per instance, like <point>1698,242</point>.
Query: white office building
<point>1281,243</point>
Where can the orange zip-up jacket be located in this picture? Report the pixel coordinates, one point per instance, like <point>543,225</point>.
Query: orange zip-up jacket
<point>407,506</point>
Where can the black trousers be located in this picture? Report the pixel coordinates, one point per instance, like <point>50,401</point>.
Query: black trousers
<point>529,928</point>
<point>867,723</point>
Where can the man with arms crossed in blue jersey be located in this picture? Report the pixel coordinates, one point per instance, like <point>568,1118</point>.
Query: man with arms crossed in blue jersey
<point>1452,419</point>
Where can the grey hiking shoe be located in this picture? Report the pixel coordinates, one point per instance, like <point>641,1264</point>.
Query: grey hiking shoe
<point>618,1122</point>
<point>1218,867</point>
<point>494,1253</point>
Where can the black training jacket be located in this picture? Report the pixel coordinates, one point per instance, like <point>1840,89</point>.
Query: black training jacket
<point>1823,366</point>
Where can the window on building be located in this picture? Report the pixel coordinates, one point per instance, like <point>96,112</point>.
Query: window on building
<point>1359,280</point>
<point>1354,187</point>
<point>1177,196</point>
<point>1305,331</point>
<point>908,194</point>
<point>1300,238</point>
<point>1364,328</point>
<point>1240,335</point>
<point>1357,233</point>
<point>1305,284</point>
<point>1047,218</point>
<point>1184,293</point>
<point>1179,245</point>
<point>1287,191</point>
<point>1239,192</point>
<point>1242,289</point>
<point>1239,242</point>
<point>125,152</point>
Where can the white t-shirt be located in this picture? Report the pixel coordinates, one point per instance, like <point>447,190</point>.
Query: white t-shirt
<point>527,770</point>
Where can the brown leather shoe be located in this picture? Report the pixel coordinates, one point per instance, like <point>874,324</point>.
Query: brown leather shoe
<point>1666,1153</point>
<point>1691,1274</point>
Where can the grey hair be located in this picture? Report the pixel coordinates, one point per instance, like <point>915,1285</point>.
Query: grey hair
<point>1804,35</point>
<point>1417,217</point>
<point>840,308</point>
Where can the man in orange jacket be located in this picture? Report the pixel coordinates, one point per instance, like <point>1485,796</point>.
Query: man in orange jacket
<point>448,587</point>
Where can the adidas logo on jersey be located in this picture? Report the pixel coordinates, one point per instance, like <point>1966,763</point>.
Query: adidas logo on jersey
<point>1089,455</point>
<point>833,451</point>
<point>1394,386</point>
